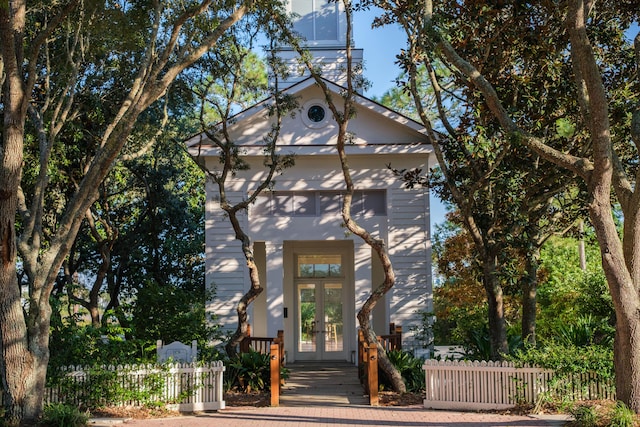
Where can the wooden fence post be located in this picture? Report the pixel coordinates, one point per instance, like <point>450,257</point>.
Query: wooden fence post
<point>372,373</point>
<point>361,356</point>
<point>280,341</point>
<point>275,374</point>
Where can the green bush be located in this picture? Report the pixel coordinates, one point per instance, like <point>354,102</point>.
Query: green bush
<point>99,386</point>
<point>61,415</point>
<point>477,343</point>
<point>248,372</point>
<point>585,416</point>
<point>568,359</point>
<point>565,361</point>
<point>410,368</point>
<point>73,344</point>
<point>586,330</point>
<point>622,416</point>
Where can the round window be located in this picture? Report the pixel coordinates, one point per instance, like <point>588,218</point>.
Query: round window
<point>316,113</point>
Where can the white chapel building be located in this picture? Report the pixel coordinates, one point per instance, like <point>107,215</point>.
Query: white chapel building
<point>315,275</point>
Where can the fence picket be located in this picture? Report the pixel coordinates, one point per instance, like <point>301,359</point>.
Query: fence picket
<point>186,388</point>
<point>489,385</point>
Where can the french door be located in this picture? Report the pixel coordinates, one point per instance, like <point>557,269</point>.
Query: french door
<point>320,329</point>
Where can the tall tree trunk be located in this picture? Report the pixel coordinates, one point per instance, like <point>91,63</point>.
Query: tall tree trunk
<point>22,367</point>
<point>529,296</point>
<point>495,300</point>
<point>243,323</point>
<point>19,366</point>
<point>625,298</point>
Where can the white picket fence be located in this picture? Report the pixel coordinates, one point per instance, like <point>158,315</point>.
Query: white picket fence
<point>465,385</point>
<point>182,387</point>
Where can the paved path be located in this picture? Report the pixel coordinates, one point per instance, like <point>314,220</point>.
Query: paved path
<point>344,416</point>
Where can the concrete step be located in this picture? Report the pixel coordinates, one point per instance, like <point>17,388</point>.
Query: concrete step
<point>322,384</point>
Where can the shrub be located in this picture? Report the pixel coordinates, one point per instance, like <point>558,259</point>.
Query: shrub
<point>568,359</point>
<point>585,416</point>
<point>410,368</point>
<point>622,416</point>
<point>248,372</point>
<point>586,330</point>
<point>61,415</point>
<point>100,386</point>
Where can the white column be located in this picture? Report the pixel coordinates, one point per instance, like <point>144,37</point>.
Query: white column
<point>275,289</point>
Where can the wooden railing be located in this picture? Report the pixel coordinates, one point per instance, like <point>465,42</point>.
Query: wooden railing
<point>460,385</point>
<point>275,348</point>
<point>392,341</point>
<point>368,359</point>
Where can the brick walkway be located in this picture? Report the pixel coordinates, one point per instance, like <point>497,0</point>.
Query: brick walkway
<point>344,416</point>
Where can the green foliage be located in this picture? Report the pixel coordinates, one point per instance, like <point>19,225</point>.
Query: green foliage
<point>171,313</point>
<point>72,344</point>
<point>565,128</point>
<point>409,367</point>
<point>622,416</point>
<point>423,332</point>
<point>567,293</point>
<point>248,372</point>
<point>566,359</point>
<point>477,343</point>
<point>62,415</point>
<point>586,330</point>
<point>603,414</point>
<point>97,386</point>
<point>585,416</point>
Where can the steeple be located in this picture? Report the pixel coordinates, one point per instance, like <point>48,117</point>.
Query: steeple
<point>322,24</point>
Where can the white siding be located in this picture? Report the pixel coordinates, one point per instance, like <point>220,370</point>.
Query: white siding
<point>225,263</point>
<point>410,250</point>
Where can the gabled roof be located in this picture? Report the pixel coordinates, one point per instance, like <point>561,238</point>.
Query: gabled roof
<point>376,128</point>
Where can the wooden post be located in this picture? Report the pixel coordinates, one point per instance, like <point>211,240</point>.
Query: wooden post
<point>280,340</point>
<point>275,374</point>
<point>372,374</point>
<point>361,355</point>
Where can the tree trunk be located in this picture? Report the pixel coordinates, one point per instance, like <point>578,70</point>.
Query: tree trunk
<point>254,276</point>
<point>23,360</point>
<point>529,295</point>
<point>623,289</point>
<point>495,300</point>
<point>385,365</point>
<point>19,368</point>
<point>627,361</point>
<point>243,324</point>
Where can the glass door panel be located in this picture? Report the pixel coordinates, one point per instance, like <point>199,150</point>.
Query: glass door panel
<point>307,327</point>
<point>333,320</point>
<point>320,320</point>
